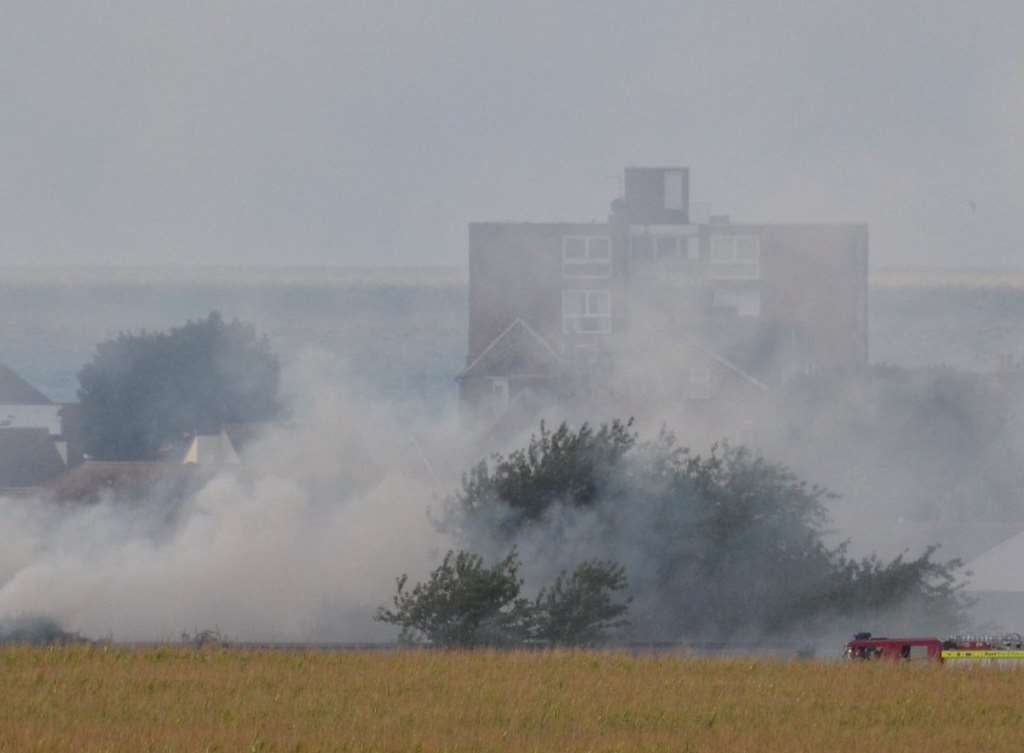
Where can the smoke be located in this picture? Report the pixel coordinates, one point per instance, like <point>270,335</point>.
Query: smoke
<point>304,540</point>
<point>300,543</point>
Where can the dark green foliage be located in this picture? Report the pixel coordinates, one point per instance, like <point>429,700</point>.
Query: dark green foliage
<point>560,466</point>
<point>716,545</point>
<point>145,389</point>
<point>37,631</point>
<point>463,604</point>
<point>579,609</point>
<point>926,591</point>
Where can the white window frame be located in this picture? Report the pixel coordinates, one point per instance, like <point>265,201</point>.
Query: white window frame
<point>594,320</point>
<point>597,252</point>
<point>679,252</point>
<point>724,262</point>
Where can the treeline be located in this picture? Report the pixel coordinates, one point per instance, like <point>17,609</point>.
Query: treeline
<point>715,546</point>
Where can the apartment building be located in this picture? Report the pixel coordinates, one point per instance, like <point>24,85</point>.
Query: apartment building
<point>663,303</point>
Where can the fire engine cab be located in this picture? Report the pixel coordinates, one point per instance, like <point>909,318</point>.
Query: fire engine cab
<point>865,646</point>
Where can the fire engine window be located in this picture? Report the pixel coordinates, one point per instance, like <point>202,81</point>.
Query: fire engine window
<point>918,653</point>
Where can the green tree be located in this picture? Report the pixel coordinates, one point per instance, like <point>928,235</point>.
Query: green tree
<point>579,608</point>
<point>141,390</point>
<point>463,604</point>
<point>556,466</point>
<point>717,544</point>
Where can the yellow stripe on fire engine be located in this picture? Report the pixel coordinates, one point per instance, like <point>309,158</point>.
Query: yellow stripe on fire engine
<point>983,654</point>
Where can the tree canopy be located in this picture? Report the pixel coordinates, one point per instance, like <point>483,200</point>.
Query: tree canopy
<point>142,390</point>
<point>716,545</point>
<point>464,604</point>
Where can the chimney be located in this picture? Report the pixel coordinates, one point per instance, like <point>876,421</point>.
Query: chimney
<point>658,195</point>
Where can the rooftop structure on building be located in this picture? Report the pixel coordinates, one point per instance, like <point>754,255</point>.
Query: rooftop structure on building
<point>663,302</point>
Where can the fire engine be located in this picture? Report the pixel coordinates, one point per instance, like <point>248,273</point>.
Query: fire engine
<point>865,646</point>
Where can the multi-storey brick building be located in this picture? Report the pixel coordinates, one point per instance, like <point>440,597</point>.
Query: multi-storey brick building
<point>658,303</point>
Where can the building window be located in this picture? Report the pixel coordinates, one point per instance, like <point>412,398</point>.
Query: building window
<point>586,311</point>
<point>586,256</point>
<point>665,246</point>
<point>746,303</point>
<point>735,257</point>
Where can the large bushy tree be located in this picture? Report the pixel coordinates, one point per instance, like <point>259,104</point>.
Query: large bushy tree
<point>465,604</point>
<point>582,608</point>
<point>141,390</point>
<point>716,545</point>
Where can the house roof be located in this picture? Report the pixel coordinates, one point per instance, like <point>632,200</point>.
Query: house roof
<point>28,457</point>
<point>242,435</point>
<point>998,568</point>
<point>518,349</point>
<point>94,479</point>
<point>16,391</point>
<point>211,449</point>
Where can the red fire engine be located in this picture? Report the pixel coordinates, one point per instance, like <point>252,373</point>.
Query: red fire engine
<point>865,646</point>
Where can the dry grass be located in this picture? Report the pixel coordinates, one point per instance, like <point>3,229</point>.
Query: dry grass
<point>97,699</point>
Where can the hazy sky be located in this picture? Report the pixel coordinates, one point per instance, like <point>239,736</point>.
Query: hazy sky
<point>328,131</point>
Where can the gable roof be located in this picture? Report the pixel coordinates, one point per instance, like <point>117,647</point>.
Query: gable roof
<point>518,345</point>
<point>28,457</point>
<point>16,391</point>
<point>997,569</point>
<point>129,481</point>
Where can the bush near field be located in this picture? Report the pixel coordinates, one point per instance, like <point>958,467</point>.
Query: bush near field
<point>724,546</point>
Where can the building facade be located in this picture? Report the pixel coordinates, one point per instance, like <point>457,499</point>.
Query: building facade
<point>39,439</point>
<point>659,303</point>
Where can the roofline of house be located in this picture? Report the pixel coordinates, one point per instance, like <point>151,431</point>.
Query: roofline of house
<point>729,364</point>
<point>490,346</point>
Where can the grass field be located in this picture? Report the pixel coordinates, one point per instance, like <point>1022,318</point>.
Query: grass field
<point>170,699</point>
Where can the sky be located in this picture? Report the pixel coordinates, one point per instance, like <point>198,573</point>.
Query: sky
<point>321,132</point>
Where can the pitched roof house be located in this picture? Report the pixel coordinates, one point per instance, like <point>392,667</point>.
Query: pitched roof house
<point>38,438</point>
<point>16,391</point>
<point>28,458</point>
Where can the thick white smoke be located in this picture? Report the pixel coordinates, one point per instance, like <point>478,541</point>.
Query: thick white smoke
<point>300,543</point>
